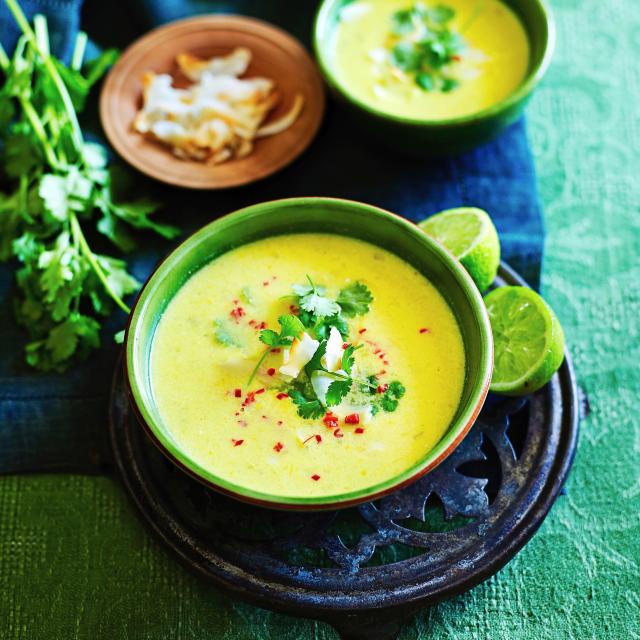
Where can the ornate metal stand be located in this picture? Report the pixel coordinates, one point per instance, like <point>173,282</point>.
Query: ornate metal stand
<point>365,570</point>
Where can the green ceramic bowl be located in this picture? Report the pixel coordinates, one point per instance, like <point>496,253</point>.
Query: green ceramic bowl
<point>438,137</point>
<point>308,215</point>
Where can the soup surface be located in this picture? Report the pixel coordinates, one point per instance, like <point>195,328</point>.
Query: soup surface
<point>207,344</point>
<point>486,62</point>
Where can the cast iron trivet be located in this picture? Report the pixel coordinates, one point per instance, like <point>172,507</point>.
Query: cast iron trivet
<point>365,570</point>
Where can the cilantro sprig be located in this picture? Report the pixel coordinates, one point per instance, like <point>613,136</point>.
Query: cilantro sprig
<point>53,184</point>
<point>425,44</point>
<point>290,328</point>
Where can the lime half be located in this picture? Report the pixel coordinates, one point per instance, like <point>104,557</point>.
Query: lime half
<point>472,238</point>
<point>528,340</point>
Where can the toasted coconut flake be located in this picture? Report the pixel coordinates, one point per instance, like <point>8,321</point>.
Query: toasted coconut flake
<point>283,123</point>
<point>218,116</point>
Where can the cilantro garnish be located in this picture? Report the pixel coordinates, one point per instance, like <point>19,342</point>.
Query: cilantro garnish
<point>337,391</point>
<point>310,409</point>
<point>425,45</point>
<point>390,398</point>
<point>313,300</point>
<point>55,183</point>
<point>355,300</point>
<point>290,328</point>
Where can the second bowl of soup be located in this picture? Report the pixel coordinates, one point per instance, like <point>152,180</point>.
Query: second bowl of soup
<point>434,76</point>
<point>308,353</point>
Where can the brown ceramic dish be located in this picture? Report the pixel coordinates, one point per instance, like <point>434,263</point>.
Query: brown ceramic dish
<point>276,55</point>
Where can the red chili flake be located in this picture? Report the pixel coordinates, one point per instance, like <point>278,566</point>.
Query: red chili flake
<point>345,345</point>
<point>251,397</point>
<point>276,350</point>
<point>382,372</point>
<point>377,351</point>
<point>278,447</point>
<point>265,283</point>
<point>265,417</point>
<point>362,331</point>
<point>338,433</point>
<point>316,436</point>
<point>385,362</point>
<point>237,313</point>
<point>358,430</point>
<point>382,388</point>
<point>352,418</point>
<point>425,330</point>
<point>457,58</point>
<point>282,396</point>
<point>280,423</point>
<point>271,372</point>
<point>330,421</point>
<point>252,323</point>
<point>262,325</point>
<point>382,355</point>
<point>315,477</point>
<point>237,393</point>
<point>260,391</point>
<point>237,413</point>
<point>293,308</point>
<point>236,443</point>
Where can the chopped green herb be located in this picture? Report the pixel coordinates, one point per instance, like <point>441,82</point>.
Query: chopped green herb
<point>389,399</point>
<point>223,334</point>
<point>424,45</point>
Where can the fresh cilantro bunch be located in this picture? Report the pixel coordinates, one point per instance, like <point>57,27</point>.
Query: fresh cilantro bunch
<point>53,184</point>
<point>425,45</point>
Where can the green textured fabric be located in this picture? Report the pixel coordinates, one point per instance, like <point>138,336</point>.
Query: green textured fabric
<point>76,563</point>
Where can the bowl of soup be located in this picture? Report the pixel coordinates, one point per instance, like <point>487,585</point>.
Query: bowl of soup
<point>308,353</point>
<point>434,77</point>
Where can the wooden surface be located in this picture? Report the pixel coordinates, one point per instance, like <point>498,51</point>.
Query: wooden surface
<point>276,55</point>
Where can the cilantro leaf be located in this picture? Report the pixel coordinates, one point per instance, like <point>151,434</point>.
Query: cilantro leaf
<point>315,364</point>
<point>390,398</point>
<point>337,391</point>
<point>348,360</point>
<point>290,326</point>
<point>313,300</point>
<point>308,409</point>
<point>270,337</point>
<point>355,300</point>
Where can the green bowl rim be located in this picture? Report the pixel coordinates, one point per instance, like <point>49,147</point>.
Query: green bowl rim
<point>455,434</point>
<point>524,89</point>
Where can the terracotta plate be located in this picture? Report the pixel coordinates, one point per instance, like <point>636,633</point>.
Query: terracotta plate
<point>276,55</point>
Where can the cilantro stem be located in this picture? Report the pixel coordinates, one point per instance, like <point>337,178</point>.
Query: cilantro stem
<point>78,236</point>
<point>255,369</point>
<point>26,29</point>
<point>4,59</point>
<point>78,51</point>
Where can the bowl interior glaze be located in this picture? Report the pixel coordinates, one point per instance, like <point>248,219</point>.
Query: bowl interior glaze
<point>300,215</point>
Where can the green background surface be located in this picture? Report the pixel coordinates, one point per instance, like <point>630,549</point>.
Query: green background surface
<point>76,563</point>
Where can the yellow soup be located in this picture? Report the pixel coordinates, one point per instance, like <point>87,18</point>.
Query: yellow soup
<point>207,344</point>
<point>492,59</point>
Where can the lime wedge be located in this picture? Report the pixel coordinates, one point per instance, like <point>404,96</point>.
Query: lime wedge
<point>528,340</point>
<point>470,235</point>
